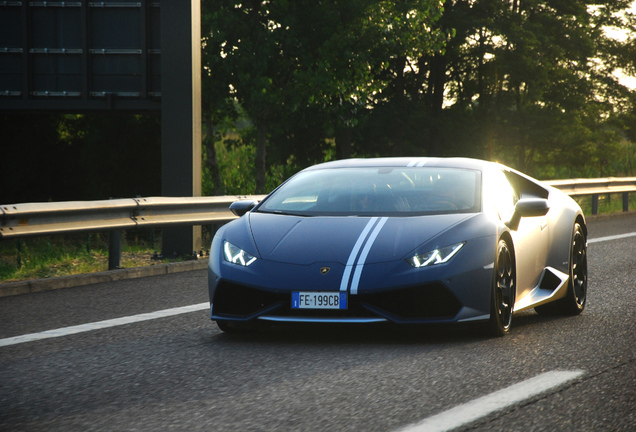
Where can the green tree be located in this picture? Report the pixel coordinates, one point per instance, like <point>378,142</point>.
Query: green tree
<point>529,77</point>
<point>321,64</point>
<point>526,82</point>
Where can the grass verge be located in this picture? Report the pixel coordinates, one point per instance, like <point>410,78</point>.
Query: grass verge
<point>607,203</point>
<point>70,254</point>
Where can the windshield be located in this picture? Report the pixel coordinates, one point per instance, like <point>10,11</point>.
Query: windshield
<point>372,191</point>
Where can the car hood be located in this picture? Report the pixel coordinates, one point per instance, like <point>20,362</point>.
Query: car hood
<point>310,240</point>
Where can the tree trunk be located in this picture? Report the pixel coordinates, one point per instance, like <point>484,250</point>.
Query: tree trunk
<point>343,142</point>
<point>437,83</point>
<point>211,159</point>
<point>261,156</point>
<point>400,108</point>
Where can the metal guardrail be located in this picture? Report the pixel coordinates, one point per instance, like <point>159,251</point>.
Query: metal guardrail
<point>23,220</point>
<point>577,187</point>
<point>597,187</point>
<point>33,219</point>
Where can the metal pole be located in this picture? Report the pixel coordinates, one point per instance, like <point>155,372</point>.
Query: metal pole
<point>181,115</point>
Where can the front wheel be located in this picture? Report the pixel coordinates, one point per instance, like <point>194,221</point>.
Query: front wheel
<point>503,291</point>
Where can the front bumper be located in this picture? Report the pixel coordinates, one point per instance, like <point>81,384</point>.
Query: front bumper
<point>418,304</point>
<point>394,291</point>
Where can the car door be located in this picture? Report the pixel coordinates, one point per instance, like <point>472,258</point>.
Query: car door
<point>531,238</point>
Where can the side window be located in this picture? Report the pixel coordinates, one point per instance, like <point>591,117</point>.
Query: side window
<point>505,196</point>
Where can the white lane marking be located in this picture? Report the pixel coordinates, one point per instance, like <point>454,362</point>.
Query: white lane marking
<point>478,408</point>
<point>363,255</point>
<point>354,253</point>
<point>610,238</point>
<point>201,306</point>
<point>65,331</point>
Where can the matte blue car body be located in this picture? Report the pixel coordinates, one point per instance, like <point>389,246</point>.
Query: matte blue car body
<point>278,270</point>
<point>291,250</point>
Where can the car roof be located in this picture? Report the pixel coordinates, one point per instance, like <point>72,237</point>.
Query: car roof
<point>466,163</point>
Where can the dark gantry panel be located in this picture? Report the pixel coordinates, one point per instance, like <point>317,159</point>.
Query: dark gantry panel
<point>80,55</point>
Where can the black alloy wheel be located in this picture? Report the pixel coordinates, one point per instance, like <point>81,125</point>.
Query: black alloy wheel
<point>574,302</point>
<point>503,293</point>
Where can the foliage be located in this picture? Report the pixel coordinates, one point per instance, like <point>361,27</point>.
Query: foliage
<point>530,83</point>
<point>297,67</point>
<point>290,83</point>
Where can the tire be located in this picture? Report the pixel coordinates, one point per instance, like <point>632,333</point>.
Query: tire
<point>239,328</point>
<point>575,299</point>
<point>232,328</point>
<point>225,327</point>
<point>503,291</point>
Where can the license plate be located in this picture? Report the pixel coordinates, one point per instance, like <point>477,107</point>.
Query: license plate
<point>319,300</point>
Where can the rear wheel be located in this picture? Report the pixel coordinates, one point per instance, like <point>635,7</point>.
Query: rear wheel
<point>577,291</point>
<point>503,291</point>
<point>574,301</point>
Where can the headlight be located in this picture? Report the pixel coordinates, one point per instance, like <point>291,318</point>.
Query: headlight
<point>437,256</point>
<point>236,255</point>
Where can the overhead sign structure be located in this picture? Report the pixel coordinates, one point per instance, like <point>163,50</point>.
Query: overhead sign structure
<point>80,55</point>
<point>122,55</point>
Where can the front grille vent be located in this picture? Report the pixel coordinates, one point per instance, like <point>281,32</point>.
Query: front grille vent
<point>423,302</point>
<point>430,302</point>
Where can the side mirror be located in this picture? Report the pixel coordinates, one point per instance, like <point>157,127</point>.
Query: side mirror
<point>239,208</point>
<point>528,207</point>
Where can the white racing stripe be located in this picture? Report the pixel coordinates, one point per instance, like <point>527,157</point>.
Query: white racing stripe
<point>481,407</point>
<point>65,331</point>
<point>344,283</point>
<point>356,258</point>
<point>610,238</point>
<point>363,255</point>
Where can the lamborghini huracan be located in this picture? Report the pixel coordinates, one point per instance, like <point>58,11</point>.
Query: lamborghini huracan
<point>403,241</point>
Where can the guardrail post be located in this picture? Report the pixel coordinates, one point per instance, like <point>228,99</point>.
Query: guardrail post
<point>114,250</point>
<point>19,257</point>
<point>595,204</point>
<point>625,201</point>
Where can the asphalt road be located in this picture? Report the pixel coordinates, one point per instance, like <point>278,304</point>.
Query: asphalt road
<point>181,373</point>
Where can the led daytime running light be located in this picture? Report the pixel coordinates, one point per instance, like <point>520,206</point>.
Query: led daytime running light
<point>437,256</point>
<point>236,255</point>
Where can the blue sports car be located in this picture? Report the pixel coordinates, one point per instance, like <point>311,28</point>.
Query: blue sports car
<point>400,240</point>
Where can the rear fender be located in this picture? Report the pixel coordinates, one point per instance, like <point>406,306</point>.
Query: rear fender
<point>561,220</point>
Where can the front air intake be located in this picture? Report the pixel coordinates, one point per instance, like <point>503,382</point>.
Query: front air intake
<point>239,301</point>
<point>422,302</point>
